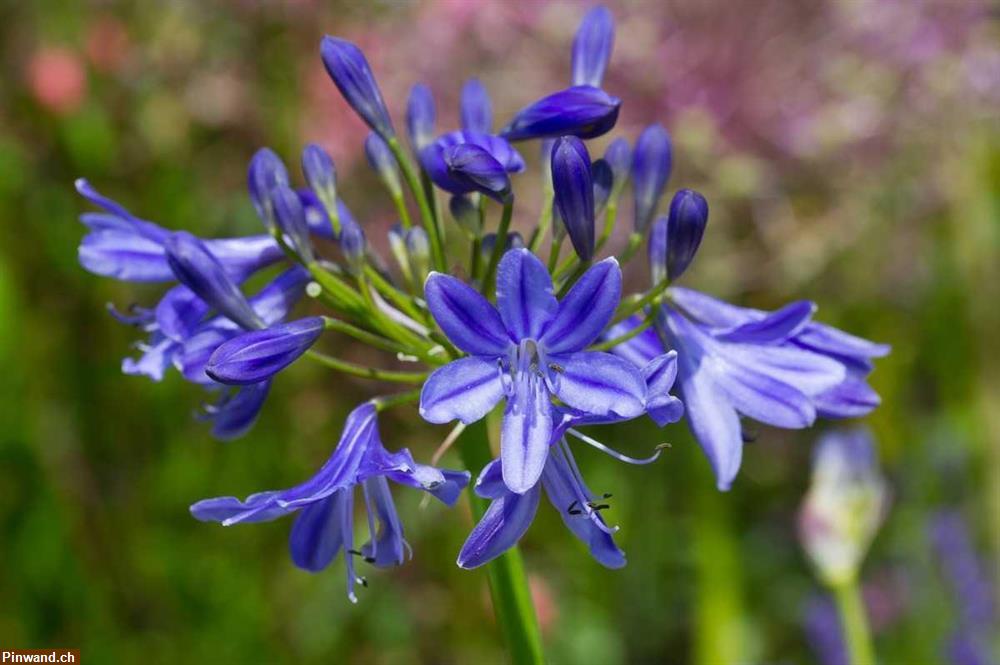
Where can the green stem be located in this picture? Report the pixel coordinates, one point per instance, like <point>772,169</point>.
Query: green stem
<point>544,222</point>
<point>610,214</point>
<point>389,401</point>
<point>854,621</point>
<point>363,335</point>
<point>621,339</point>
<point>430,220</point>
<point>404,214</point>
<point>498,247</point>
<point>397,297</point>
<point>630,307</point>
<point>366,372</point>
<point>509,590</point>
<point>554,254</point>
<point>634,241</point>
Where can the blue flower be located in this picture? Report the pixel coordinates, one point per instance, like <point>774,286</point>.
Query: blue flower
<point>581,110</point>
<point>438,159</point>
<point>260,354</point>
<point>651,164</point>
<point>527,352</point>
<point>780,368</point>
<point>592,45</point>
<point>325,503</point>
<point>573,185</point>
<point>265,172</point>
<point>674,240</point>
<point>475,107</point>
<point>347,66</point>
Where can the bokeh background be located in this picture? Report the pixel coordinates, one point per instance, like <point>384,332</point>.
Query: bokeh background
<point>850,152</point>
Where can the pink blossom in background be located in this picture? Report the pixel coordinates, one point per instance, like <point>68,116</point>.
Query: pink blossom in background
<point>56,79</point>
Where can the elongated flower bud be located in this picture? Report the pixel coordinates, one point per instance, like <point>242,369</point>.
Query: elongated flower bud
<point>478,170</point>
<point>291,218</point>
<point>592,46</point>
<point>197,268</point>
<point>466,213</point>
<point>651,164</point>
<point>382,161</point>
<point>347,66</point>
<point>476,110</point>
<point>353,245</point>
<point>619,157</point>
<point>604,183</point>
<point>321,175</point>
<point>266,171</point>
<point>846,504</point>
<point>258,355</point>
<point>418,247</point>
<point>397,245</point>
<point>685,228</point>
<point>657,251</point>
<point>574,193</point>
<point>583,111</point>
<point>420,117</point>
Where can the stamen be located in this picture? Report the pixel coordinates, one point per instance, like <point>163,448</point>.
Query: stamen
<point>572,510</point>
<point>372,531</point>
<point>558,369</point>
<point>362,580</point>
<point>614,453</point>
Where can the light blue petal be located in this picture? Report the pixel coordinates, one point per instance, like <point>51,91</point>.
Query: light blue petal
<point>467,318</point>
<point>526,431</point>
<point>586,309</point>
<point>465,389</point>
<point>524,294</point>
<point>503,524</point>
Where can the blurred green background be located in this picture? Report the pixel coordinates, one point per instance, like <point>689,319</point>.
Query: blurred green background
<point>851,154</point>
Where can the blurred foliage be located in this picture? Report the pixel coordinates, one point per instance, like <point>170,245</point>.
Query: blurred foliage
<point>851,155</point>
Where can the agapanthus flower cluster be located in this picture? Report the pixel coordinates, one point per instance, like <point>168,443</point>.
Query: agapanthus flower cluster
<point>544,338</point>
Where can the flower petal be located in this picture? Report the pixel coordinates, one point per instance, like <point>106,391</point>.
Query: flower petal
<point>238,412</point>
<point>260,354</point>
<point>124,255</point>
<point>851,398</point>
<point>708,310</point>
<point>774,327</point>
<point>318,532</point>
<point>489,484</point>
<point>465,389</point>
<point>586,309</point>
<point>467,318</point>
<point>179,312</point>
<point>387,547</point>
<point>598,383</point>
<point>503,524</point>
<point>526,432</point>
<point>524,294</point>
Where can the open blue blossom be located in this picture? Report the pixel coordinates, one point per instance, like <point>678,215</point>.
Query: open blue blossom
<point>510,514</point>
<point>779,368</point>
<point>325,503</point>
<point>527,349</point>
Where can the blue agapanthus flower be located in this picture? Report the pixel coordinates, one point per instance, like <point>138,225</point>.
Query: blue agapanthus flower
<point>324,526</point>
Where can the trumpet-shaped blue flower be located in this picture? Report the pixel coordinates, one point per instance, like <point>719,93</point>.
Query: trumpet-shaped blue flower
<point>527,349</point>
<point>325,503</point>
<point>581,110</point>
<point>779,368</point>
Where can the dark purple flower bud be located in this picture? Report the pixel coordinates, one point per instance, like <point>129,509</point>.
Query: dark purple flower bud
<point>604,183</point>
<point>574,193</point>
<point>650,170</point>
<point>657,251</point>
<point>321,174</point>
<point>347,66</point>
<point>198,269</point>
<point>258,355</point>
<point>420,117</point>
<point>583,111</point>
<point>466,214</point>
<point>595,38</point>
<point>266,172</point>
<point>476,110</point>
<point>685,227</point>
<point>477,170</point>
<point>382,161</point>
<point>291,218</point>
<point>619,158</point>
<point>353,244</point>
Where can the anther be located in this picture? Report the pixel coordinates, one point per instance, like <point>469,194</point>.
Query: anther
<point>572,509</point>
<point>557,368</point>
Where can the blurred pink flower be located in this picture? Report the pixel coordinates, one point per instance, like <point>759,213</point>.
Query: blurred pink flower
<point>56,78</point>
<point>107,44</point>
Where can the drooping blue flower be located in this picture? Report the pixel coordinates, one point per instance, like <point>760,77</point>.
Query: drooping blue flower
<point>573,186</point>
<point>651,164</point>
<point>420,117</point>
<point>525,350</point>
<point>122,246</point>
<point>265,172</point>
<point>475,107</point>
<point>347,66</point>
<point>325,503</point>
<point>257,355</point>
<point>434,158</point>
<point>592,46</point>
<point>582,110</point>
<point>475,170</point>
<point>780,368</point>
